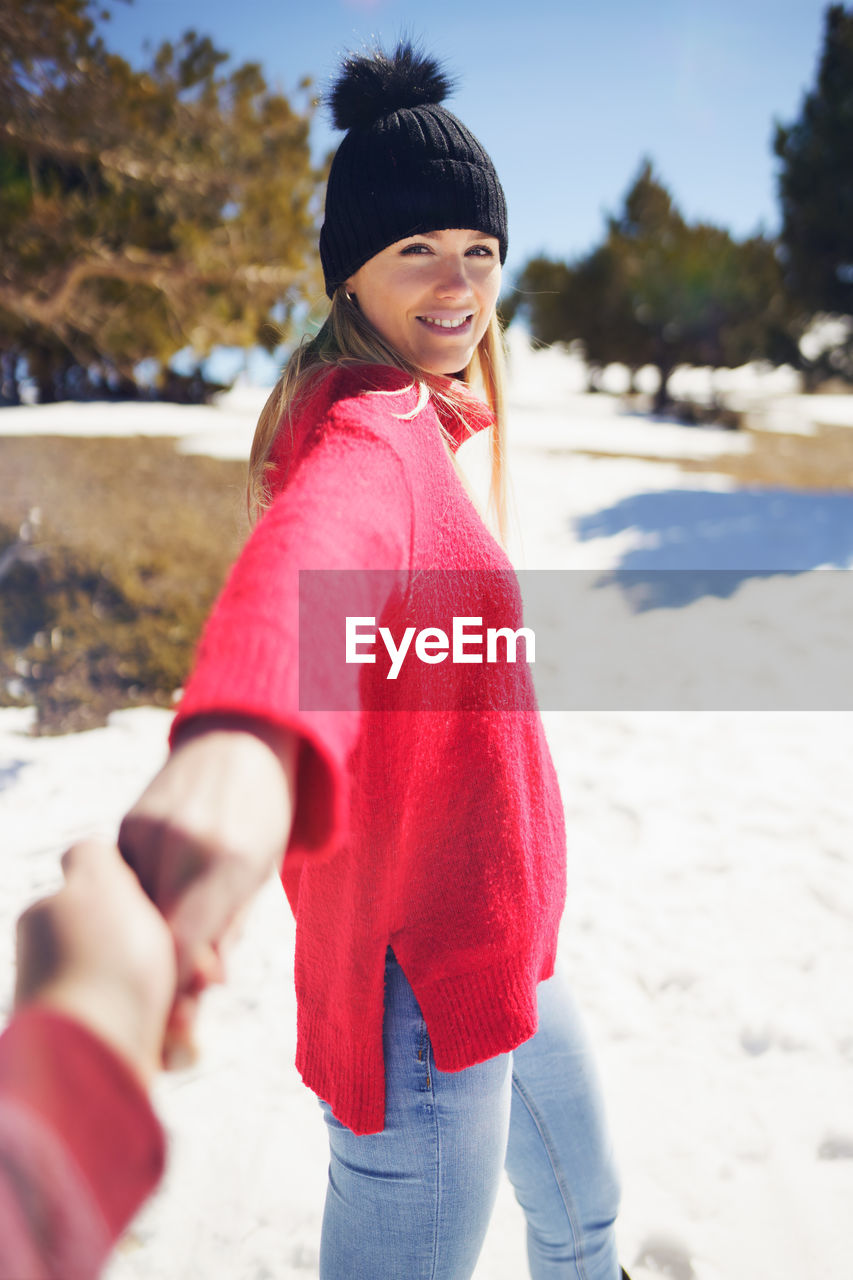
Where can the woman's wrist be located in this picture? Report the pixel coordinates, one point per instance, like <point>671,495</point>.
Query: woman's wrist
<point>282,742</point>
<point>278,738</point>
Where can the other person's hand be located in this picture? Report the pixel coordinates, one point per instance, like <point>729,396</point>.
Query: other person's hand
<point>99,951</point>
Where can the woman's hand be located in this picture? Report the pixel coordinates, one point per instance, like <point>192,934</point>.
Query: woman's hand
<point>203,837</point>
<point>99,952</point>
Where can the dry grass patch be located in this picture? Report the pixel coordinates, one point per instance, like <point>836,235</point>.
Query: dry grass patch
<point>111,553</point>
<point>821,461</point>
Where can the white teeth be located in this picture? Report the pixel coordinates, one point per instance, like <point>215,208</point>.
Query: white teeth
<point>446,324</point>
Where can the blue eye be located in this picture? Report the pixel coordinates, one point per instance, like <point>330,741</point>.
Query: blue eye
<point>482,251</point>
<point>415,248</point>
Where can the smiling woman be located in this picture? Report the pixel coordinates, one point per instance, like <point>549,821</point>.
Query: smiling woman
<point>425,850</point>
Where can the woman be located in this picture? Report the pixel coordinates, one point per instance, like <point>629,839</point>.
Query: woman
<point>425,856</point>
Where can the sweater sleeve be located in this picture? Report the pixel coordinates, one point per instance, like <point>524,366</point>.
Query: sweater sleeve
<point>80,1149</point>
<point>346,506</point>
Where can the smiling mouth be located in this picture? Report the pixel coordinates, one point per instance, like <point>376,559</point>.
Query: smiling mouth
<point>451,326</point>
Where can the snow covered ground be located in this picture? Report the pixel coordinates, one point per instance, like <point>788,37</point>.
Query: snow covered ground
<point>709,928</point>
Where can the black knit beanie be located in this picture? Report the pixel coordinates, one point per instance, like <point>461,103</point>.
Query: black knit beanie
<point>406,165</point>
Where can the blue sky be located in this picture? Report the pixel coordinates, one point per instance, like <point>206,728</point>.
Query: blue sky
<point>566,96</point>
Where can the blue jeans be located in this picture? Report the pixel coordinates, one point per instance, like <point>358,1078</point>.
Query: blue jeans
<point>414,1201</point>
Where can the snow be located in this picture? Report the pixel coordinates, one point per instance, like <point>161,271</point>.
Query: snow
<point>803,415</point>
<point>708,927</point>
<point>132,418</point>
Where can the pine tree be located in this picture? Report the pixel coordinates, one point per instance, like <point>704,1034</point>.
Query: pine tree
<point>143,211</point>
<point>816,179</point>
<point>816,195</point>
<point>660,291</point>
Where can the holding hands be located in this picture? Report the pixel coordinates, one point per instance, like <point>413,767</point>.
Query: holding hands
<point>129,955</point>
<point>203,837</point>
<point>124,950</point>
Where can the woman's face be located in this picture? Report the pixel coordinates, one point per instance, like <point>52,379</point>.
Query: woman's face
<point>432,296</point>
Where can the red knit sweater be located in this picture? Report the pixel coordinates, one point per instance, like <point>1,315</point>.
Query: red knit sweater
<point>438,832</point>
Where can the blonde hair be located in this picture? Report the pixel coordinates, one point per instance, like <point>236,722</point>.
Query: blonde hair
<point>348,338</point>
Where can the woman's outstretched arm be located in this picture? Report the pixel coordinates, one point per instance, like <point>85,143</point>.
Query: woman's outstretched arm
<point>252,772</point>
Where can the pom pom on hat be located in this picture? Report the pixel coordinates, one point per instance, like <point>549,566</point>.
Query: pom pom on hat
<point>375,86</point>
